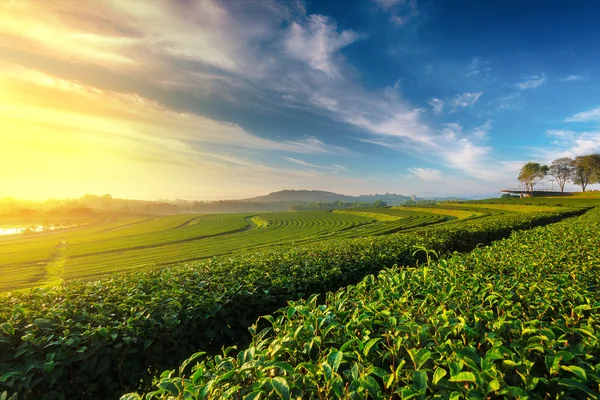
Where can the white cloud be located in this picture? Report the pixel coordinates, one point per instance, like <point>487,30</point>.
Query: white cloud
<point>479,68</point>
<point>387,4</point>
<point>464,100</point>
<point>436,104</point>
<point>313,145</point>
<point>453,147</point>
<point>427,174</point>
<point>572,78</point>
<point>560,133</point>
<point>469,158</point>
<point>571,144</point>
<point>482,131</point>
<point>403,124</point>
<point>508,100</point>
<point>317,43</point>
<point>335,168</point>
<point>585,116</point>
<point>451,132</point>
<point>401,11</point>
<point>533,82</point>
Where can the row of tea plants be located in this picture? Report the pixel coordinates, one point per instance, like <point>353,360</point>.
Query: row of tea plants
<point>101,339</point>
<point>518,319</point>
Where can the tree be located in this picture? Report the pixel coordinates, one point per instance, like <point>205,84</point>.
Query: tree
<point>531,174</point>
<point>586,170</point>
<point>379,204</point>
<point>562,170</point>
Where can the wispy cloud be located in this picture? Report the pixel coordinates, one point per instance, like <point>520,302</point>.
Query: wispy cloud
<point>427,174</point>
<point>585,116</point>
<point>132,123</point>
<point>335,168</point>
<point>436,104</point>
<point>570,143</point>
<point>387,4</point>
<point>482,132</point>
<point>509,100</point>
<point>464,100</point>
<point>479,69</point>
<point>317,42</point>
<point>401,12</point>
<point>533,82</point>
<point>561,133</point>
<point>572,78</point>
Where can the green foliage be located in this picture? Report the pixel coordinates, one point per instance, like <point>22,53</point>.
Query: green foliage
<point>562,170</point>
<point>518,208</point>
<point>336,205</point>
<point>102,338</point>
<point>531,173</point>
<point>586,170</point>
<point>518,319</point>
<point>575,201</point>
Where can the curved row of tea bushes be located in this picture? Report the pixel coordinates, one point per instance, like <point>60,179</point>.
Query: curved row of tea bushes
<point>518,319</point>
<point>101,339</point>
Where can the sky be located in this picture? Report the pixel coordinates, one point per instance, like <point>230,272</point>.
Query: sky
<point>218,100</point>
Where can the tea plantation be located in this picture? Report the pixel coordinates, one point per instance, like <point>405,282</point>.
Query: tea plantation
<point>518,319</point>
<point>101,339</point>
<point>89,252</point>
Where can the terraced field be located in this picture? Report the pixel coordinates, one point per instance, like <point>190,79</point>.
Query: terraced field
<point>149,242</point>
<point>157,232</point>
<point>447,212</point>
<point>139,243</point>
<point>520,208</point>
<point>393,220</point>
<point>23,258</point>
<point>271,229</point>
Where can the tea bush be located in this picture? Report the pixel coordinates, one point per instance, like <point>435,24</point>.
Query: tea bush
<point>101,339</point>
<point>520,318</point>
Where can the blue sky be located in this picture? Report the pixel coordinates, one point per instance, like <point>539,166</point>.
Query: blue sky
<point>205,99</point>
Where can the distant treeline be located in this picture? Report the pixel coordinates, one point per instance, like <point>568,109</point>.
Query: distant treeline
<point>337,205</point>
<point>91,207</point>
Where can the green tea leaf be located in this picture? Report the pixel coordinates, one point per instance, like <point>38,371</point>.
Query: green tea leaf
<point>438,374</point>
<point>335,359</point>
<point>463,377</point>
<point>281,387</point>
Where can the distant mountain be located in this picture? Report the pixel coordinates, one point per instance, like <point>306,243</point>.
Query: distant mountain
<point>312,196</point>
<point>441,199</point>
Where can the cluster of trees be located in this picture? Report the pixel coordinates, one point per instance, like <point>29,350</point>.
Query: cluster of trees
<point>337,205</point>
<point>420,202</point>
<point>581,171</point>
